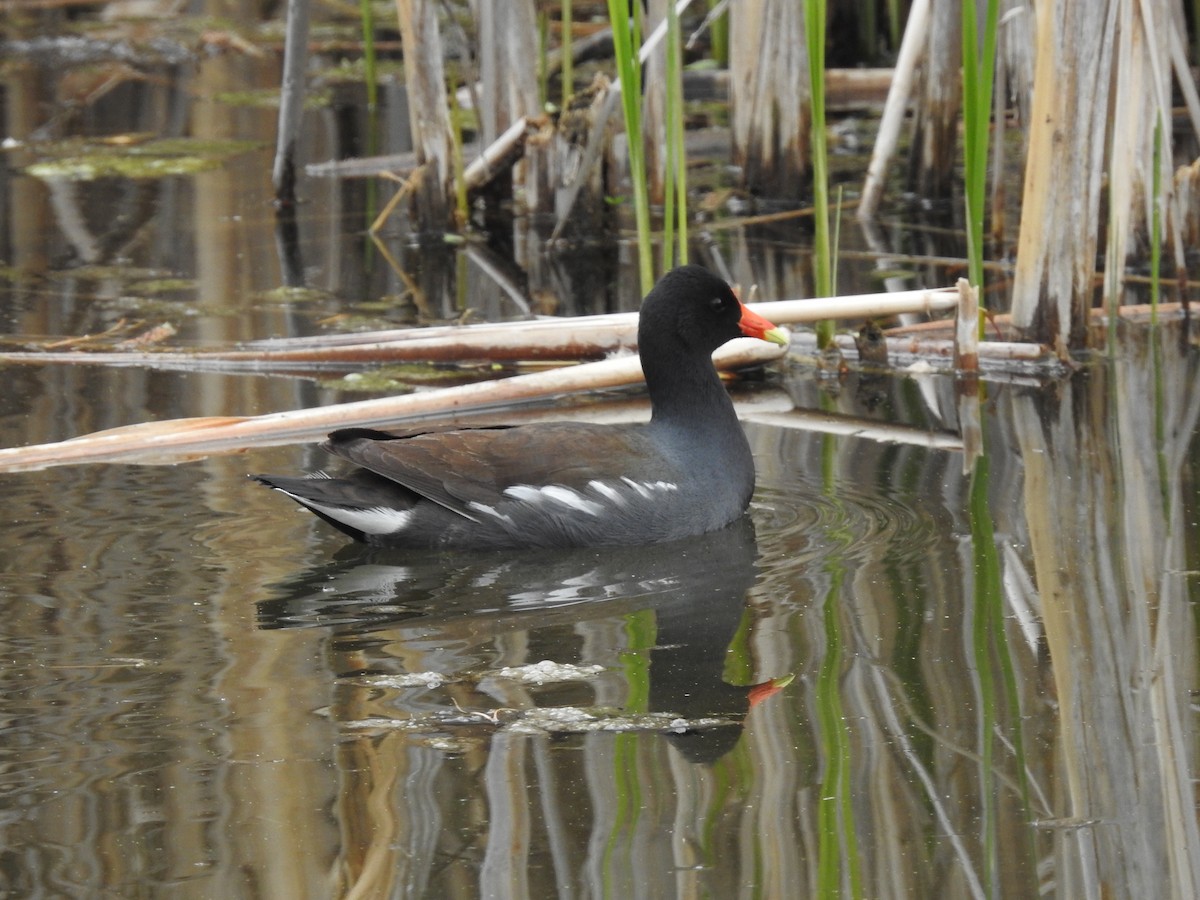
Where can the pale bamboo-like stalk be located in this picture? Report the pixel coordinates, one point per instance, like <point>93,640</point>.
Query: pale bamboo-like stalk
<point>894,111</point>
<point>497,154</point>
<point>539,339</point>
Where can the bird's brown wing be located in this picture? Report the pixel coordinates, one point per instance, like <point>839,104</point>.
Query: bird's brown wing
<point>455,468</point>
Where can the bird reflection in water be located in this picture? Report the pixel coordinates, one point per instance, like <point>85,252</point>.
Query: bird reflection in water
<point>381,604</point>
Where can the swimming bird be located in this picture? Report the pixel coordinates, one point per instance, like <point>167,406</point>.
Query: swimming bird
<point>687,471</point>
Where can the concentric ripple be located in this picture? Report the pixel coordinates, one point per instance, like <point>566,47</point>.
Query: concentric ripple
<point>802,521</point>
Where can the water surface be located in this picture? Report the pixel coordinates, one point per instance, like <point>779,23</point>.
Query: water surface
<point>209,694</point>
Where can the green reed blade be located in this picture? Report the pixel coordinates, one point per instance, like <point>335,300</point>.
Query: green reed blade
<point>979,72</point>
<point>814,35</point>
<point>567,70</point>
<point>626,41</point>
<point>675,199</point>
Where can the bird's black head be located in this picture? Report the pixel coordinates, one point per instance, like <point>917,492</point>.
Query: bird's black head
<point>691,306</point>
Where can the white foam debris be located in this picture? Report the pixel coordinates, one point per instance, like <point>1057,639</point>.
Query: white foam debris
<point>407,680</point>
<point>547,672</point>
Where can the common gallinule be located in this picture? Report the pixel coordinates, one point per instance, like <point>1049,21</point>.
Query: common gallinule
<point>566,484</point>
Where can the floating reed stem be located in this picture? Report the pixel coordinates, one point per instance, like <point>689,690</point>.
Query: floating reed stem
<point>169,440</point>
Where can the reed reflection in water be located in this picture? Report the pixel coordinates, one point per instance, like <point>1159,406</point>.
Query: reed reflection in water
<point>206,695</point>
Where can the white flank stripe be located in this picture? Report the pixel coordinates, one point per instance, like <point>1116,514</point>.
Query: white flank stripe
<point>490,510</point>
<point>555,492</point>
<point>377,520</point>
<point>525,492</point>
<point>607,490</point>
<point>646,488</point>
<point>568,497</point>
<point>638,486</point>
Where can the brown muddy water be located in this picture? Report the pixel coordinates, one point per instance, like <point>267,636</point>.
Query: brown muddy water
<point>207,693</point>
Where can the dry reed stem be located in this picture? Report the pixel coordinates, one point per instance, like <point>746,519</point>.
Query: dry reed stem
<point>536,339</point>
<point>966,332</point>
<point>180,439</point>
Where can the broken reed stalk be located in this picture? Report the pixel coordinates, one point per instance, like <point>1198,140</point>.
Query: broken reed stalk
<point>966,332</point>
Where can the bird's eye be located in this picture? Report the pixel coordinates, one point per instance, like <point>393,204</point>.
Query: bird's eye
<point>716,304</point>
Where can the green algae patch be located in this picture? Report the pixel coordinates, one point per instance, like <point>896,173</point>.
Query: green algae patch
<point>376,381</point>
<point>397,379</point>
<point>268,98</point>
<point>148,160</point>
<point>157,286</point>
<point>115,273</point>
<point>286,294</point>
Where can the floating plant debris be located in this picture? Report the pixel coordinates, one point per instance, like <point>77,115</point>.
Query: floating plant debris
<point>152,159</point>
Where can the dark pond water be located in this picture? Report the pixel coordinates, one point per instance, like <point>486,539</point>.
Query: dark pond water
<point>207,693</point>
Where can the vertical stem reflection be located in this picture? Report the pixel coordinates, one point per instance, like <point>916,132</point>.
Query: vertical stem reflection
<point>838,849</point>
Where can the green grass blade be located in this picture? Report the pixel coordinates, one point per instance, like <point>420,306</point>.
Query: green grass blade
<point>675,251</point>
<point>979,72</point>
<point>1156,222</point>
<point>567,72</point>
<point>368,33</point>
<point>626,42</point>
<point>814,34</point>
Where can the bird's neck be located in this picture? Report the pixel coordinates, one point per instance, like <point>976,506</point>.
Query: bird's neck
<point>688,393</point>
